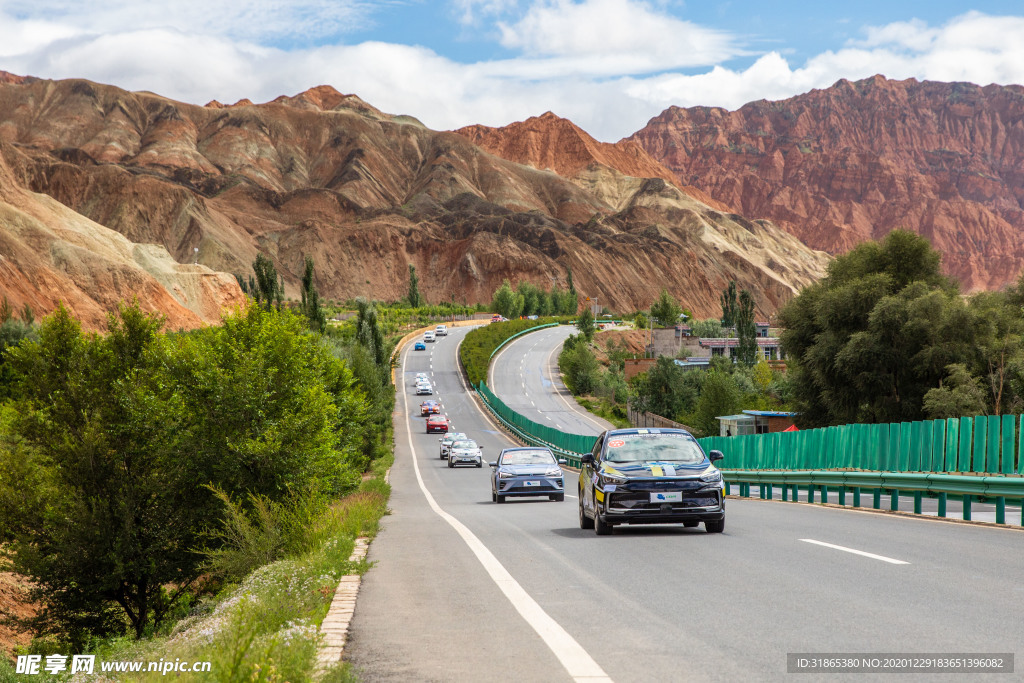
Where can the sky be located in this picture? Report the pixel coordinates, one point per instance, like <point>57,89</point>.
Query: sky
<point>608,65</point>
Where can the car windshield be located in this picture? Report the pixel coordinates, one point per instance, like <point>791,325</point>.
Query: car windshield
<point>662,447</point>
<point>528,458</point>
<point>464,444</point>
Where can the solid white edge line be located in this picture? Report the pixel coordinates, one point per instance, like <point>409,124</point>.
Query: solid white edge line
<point>577,662</point>
<point>883,558</point>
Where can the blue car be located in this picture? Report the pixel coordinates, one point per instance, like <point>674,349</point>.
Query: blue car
<point>420,346</point>
<point>527,471</point>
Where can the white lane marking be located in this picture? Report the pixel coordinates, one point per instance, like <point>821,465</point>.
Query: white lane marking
<point>855,552</point>
<point>532,403</point>
<point>577,662</point>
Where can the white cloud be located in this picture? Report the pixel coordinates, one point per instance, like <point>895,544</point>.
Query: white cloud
<point>241,20</point>
<point>629,32</point>
<point>606,94</point>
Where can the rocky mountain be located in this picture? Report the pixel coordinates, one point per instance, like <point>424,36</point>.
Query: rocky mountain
<point>367,193</point>
<point>854,161</point>
<point>49,253</point>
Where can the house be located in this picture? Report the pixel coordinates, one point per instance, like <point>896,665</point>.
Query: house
<point>755,422</point>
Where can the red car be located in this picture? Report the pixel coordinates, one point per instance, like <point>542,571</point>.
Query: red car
<point>429,407</point>
<point>437,423</point>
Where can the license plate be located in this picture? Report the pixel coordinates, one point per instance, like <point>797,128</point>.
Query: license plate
<point>667,497</point>
<point>531,483</point>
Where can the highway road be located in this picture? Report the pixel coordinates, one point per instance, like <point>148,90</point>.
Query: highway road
<point>524,374</point>
<point>462,589</point>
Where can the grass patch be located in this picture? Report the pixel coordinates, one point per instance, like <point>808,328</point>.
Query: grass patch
<point>264,628</point>
<point>604,408</point>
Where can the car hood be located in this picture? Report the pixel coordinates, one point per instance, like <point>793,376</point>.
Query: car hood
<point>527,469</point>
<point>655,469</point>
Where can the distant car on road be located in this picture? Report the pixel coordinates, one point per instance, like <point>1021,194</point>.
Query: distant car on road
<point>529,471</point>
<point>437,423</point>
<point>428,336</point>
<point>448,440</point>
<point>424,389</point>
<point>650,476</point>
<point>441,331</point>
<point>466,452</point>
<point>419,346</point>
<point>429,407</point>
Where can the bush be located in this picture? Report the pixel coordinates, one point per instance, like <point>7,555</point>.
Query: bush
<point>478,345</point>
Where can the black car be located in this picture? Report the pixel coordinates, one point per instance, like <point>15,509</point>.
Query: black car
<point>650,476</point>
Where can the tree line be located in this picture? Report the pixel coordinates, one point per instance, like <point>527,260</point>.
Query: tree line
<point>119,450</point>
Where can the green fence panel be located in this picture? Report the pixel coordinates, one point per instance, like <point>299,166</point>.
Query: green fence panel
<point>905,435</point>
<point>926,447</point>
<point>980,432</point>
<point>1020,447</point>
<point>1009,432</point>
<point>892,458</point>
<point>916,441</point>
<point>963,457</point>
<point>992,451</point>
<point>938,446</point>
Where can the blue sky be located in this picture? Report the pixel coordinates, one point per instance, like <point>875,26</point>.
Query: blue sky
<point>609,65</point>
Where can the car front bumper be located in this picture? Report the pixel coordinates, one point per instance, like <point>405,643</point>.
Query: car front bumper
<point>465,459</point>
<point>631,506</point>
<point>519,486</point>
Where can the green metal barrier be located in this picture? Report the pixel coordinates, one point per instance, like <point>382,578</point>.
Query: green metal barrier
<point>941,486</point>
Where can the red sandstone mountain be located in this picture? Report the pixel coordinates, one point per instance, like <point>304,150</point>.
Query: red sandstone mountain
<point>366,194</point>
<point>549,142</point>
<point>854,161</point>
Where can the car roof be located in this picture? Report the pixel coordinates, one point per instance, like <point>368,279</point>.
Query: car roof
<point>647,430</point>
<point>526,448</point>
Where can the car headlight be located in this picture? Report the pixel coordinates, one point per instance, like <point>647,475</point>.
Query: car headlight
<point>553,473</point>
<point>607,478</point>
<point>712,474</point>
<point>506,475</point>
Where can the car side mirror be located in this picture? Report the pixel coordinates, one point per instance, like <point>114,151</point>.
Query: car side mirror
<point>563,461</point>
<point>715,455</point>
<point>492,464</point>
<point>587,458</point>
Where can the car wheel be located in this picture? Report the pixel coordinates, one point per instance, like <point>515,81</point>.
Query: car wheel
<point>479,464</point>
<point>499,498</point>
<point>715,527</point>
<point>451,464</point>
<point>601,528</point>
<point>494,498</point>
<point>558,497</point>
<point>690,525</point>
<point>585,522</point>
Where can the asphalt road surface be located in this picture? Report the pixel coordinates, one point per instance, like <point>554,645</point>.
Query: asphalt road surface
<point>524,374</point>
<point>463,589</point>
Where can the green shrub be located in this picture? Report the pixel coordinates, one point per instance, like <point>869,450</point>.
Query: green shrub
<point>478,345</point>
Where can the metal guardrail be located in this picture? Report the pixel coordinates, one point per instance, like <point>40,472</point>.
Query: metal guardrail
<point>572,457</point>
<point>940,486</point>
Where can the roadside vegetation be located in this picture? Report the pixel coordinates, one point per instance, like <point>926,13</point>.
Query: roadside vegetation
<point>478,345</point>
<point>886,337</point>
<point>192,494</point>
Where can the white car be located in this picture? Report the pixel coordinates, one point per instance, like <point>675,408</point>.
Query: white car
<point>428,336</point>
<point>424,389</point>
<point>421,377</point>
<point>441,331</point>
<point>466,452</point>
<point>448,440</point>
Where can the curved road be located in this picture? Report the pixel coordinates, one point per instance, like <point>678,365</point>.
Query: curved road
<point>524,374</point>
<point>462,589</point>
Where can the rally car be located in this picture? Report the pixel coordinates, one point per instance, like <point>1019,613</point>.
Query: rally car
<point>437,423</point>
<point>448,439</point>
<point>429,407</point>
<point>527,471</point>
<point>650,476</point>
<point>419,346</point>
<point>466,452</point>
